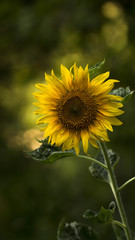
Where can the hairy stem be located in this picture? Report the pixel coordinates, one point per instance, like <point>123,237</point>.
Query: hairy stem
<point>116,193</point>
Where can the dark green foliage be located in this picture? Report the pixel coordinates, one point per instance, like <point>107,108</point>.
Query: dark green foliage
<point>76,231</point>
<point>114,157</point>
<point>103,216</point>
<point>96,69</point>
<point>126,93</point>
<point>98,171</point>
<point>49,154</point>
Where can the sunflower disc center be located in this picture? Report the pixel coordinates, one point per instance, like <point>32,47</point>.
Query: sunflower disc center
<point>74,108</point>
<point>77,110</point>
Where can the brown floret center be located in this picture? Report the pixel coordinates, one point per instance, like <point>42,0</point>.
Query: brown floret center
<point>77,110</point>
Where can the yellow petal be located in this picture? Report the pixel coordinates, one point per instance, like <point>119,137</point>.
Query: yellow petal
<point>114,98</point>
<point>93,141</point>
<point>38,104</point>
<point>46,119</point>
<point>99,132</point>
<point>81,77</point>
<point>66,77</point>
<point>76,143</point>
<point>54,137</point>
<point>41,87</point>
<point>100,78</point>
<point>51,128</point>
<point>111,105</point>
<point>39,112</point>
<point>113,112</point>
<point>104,88</point>
<point>114,121</point>
<point>55,83</point>
<point>46,89</point>
<point>61,138</point>
<point>105,124</point>
<point>38,94</point>
<point>49,139</point>
<point>85,138</point>
<point>44,128</point>
<point>68,144</point>
<point>56,134</point>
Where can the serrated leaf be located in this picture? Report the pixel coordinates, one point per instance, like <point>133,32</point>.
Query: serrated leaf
<point>98,171</point>
<point>126,93</point>
<point>103,216</point>
<point>49,154</point>
<point>96,69</point>
<point>114,157</point>
<point>76,231</point>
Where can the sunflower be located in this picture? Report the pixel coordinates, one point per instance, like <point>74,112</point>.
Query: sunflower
<point>75,108</point>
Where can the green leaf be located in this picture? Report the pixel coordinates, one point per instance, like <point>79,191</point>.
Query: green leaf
<point>103,216</point>
<point>126,93</point>
<point>98,171</point>
<point>96,69</point>
<point>114,157</point>
<point>49,154</point>
<point>76,231</point>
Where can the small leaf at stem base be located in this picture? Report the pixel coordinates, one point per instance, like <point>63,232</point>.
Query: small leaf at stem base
<point>76,231</point>
<point>103,216</point>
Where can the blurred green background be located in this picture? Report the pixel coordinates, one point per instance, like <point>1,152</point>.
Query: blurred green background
<point>37,36</point>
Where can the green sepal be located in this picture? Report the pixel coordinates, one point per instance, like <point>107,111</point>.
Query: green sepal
<point>126,93</point>
<point>96,69</point>
<point>76,231</point>
<point>98,171</point>
<point>48,154</point>
<point>104,216</point>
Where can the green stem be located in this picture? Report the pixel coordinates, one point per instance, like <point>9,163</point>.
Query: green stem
<point>116,193</point>
<point>93,160</point>
<point>126,183</point>
<point>119,224</point>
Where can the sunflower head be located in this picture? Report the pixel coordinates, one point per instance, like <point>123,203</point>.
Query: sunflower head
<point>75,108</point>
